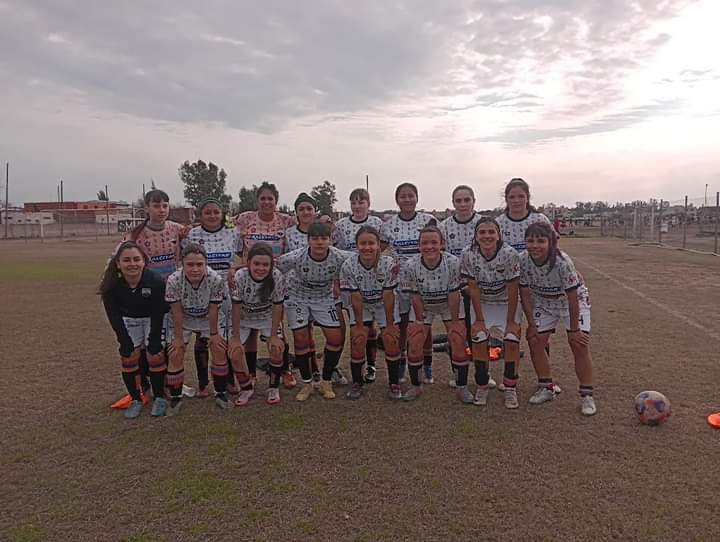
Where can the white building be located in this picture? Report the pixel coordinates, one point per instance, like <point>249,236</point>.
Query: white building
<point>18,216</point>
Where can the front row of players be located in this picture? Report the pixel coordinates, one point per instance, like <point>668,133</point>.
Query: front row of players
<point>501,284</point>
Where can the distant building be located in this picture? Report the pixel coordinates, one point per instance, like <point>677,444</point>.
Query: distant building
<point>20,216</point>
<point>74,212</point>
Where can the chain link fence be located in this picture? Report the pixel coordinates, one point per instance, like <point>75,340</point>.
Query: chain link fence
<point>690,223</point>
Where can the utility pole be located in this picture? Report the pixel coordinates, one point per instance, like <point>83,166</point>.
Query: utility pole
<point>367,183</point>
<point>7,195</point>
<point>107,209</point>
<point>62,200</point>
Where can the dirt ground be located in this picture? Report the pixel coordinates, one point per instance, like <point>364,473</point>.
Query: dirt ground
<point>72,469</point>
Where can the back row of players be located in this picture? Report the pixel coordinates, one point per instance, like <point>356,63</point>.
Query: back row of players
<point>229,286</point>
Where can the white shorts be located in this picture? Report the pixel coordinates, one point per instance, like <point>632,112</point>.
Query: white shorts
<point>440,309</point>
<point>322,313</point>
<point>495,316</point>
<point>262,326</point>
<point>546,318</point>
<point>403,301</point>
<point>192,325</point>
<point>138,329</point>
<point>376,313</point>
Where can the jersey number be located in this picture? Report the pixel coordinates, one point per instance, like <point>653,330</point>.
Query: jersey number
<point>333,315</point>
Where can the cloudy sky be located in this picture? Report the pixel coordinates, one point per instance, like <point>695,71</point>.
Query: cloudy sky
<point>607,99</point>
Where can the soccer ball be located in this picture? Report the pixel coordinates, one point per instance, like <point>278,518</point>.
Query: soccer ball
<point>652,407</point>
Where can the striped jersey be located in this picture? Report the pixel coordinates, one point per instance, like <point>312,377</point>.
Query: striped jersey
<point>247,293</point>
<point>434,285</point>
<point>195,301</point>
<point>312,279</point>
<point>555,282</point>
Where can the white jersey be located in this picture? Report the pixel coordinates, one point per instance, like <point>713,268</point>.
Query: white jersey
<point>346,229</point>
<point>433,285</point>
<point>295,238</point>
<point>491,275</point>
<point>247,293</point>
<point>403,235</point>
<point>195,301</point>
<point>370,283</point>
<point>221,247</point>
<point>550,286</point>
<point>458,235</point>
<point>312,279</point>
<point>513,231</point>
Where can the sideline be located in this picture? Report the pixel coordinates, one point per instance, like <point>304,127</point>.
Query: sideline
<point>652,301</point>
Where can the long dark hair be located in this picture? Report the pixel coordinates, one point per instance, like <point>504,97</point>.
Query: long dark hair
<point>487,220</point>
<point>112,273</point>
<point>371,231</point>
<point>268,283</point>
<point>154,196</point>
<point>520,183</point>
<point>542,229</point>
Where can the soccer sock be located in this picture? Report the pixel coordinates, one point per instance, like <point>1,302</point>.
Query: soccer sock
<point>302,362</point>
<point>462,375</point>
<point>313,362</point>
<point>251,358</point>
<point>414,374</point>
<point>174,382</point>
<point>144,371</point>
<point>427,360</point>
<point>393,369</point>
<point>130,379</point>
<point>510,376</point>
<point>482,376</point>
<point>220,377</point>
<point>586,391</point>
<point>331,361</point>
<point>201,362</point>
<point>275,374</point>
<point>545,383</point>
<point>357,373</point>
<point>157,367</point>
<point>286,360</point>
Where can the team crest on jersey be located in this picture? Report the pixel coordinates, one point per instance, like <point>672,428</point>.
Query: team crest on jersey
<point>248,290</point>
<point>145,292</point>
<point>500,269</point>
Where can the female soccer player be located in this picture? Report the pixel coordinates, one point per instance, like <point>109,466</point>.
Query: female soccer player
<point>432,278</point>
<point>345,233</point>
<point>311,299</point>
<point>222,246</point>
<point>257,295</point>
<point>159,237</point>
<point>552,290</point>
<point>195,294</point>
<point>371,280</point>
<point>266,225</point>
<point>492,270</point>
<point>134,299</point>
<point>401,234</point>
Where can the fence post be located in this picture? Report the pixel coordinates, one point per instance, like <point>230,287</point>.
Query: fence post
<point>717,219</point>
<point>652,221</point>
<point>635,217</point>
<point>625,224</point>
<point>685,223</point>
<point>660,221</point>
<point>612,225</point>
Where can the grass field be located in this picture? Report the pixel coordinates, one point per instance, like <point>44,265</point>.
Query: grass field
<point>72,469</point>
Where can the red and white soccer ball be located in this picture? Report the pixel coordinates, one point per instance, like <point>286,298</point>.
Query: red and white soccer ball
<point>652,407</point>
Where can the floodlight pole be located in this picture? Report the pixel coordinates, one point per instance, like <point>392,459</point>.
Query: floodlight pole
<point>7,195</point>
<point>107,209</point>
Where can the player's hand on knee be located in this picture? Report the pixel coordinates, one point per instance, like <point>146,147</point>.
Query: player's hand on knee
<point>578,338</point>
<point>218,342</point>
<point>276,346</point>
<point>478,331</point>
<point>512,328</point>
<point>176,345</point>
<point>532,334</point>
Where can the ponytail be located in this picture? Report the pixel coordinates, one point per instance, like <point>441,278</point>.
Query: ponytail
<point>268,283</point>
<point>112,274</point>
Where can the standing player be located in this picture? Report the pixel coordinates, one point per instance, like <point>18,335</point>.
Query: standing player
<point>345,234</point>
<point>257,295</point>
<point>492,270</point>
<point>401,234</point>
<point>371,280</point>
<point>552,290</point>
<point>311,299</point>
<point>432,278</point>
<point>134,300</point>
<point>222,245</point>
<point>195,294</point>
<point>266,225</point>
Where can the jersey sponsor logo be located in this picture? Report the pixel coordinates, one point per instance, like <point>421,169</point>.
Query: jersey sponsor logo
<point>406,243</point>
<point>265,236</point>
<point>162,258</point>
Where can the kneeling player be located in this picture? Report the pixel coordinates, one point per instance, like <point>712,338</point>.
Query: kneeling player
<point>371,280</point>
<point>257,297</point>
<point>492,270</point>
<point>310,299</point>
<point>552,290</point>
<point>195,294</point>
<point>134,302</point>
<point>432,279</point>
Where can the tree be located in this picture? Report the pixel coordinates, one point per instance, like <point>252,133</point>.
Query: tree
<point>324,195</point>
<point>246,199</point>
<point>285,209</point>
<point>203,180</point>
